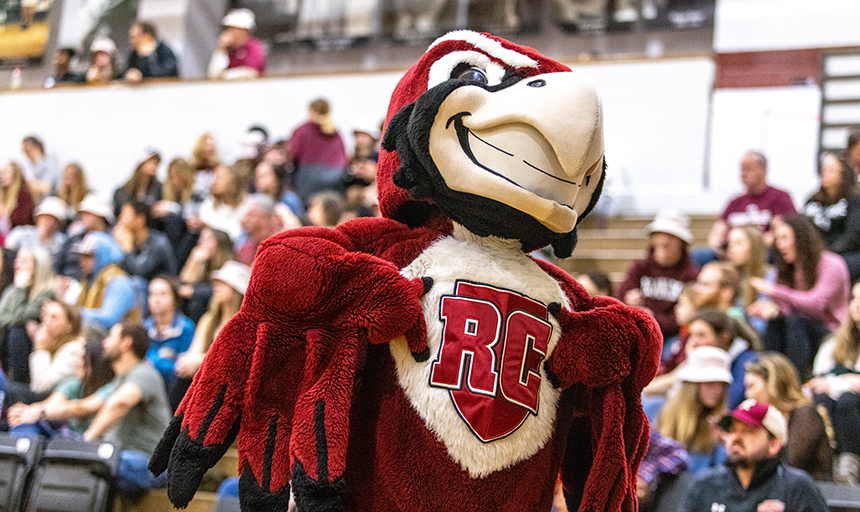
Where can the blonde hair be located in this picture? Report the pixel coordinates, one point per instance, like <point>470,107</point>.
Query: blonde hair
<point>846,346</point>
<point>217,315</point>
<point>322,109</point>
<point>235,192</point>
<point>75,194</point>
<point>198,157</point>
<point>186,175</point>
<point>756,266</point>
<point>685,419</point>
<point>43,271</point>
<point>10,193</point>
<point>781,381</point>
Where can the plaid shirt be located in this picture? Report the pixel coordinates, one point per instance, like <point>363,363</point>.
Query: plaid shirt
<point>665,456</point>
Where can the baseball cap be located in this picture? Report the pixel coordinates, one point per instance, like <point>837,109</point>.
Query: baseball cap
<point>239,18</point>
<point>103,44</point>
<point>672,221</point>
<point>97,206</point>
<point>236,275</point>
<point>53,206</point>
<point>758,415</point>
<point>706,364</point>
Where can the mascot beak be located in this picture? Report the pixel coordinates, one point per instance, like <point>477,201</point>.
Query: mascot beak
<point>536,146</point>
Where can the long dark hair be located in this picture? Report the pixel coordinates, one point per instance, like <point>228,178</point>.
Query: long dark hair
<point>847,186</point>
<point>808,247</point>
<point>100,369</point>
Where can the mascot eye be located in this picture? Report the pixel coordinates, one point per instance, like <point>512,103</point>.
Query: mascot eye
<point>473,75</point>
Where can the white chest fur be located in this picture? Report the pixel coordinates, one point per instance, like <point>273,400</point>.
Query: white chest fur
<point>490,403</point>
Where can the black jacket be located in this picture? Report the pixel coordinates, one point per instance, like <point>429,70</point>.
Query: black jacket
<point>719,489</point>
<point>159,64</point>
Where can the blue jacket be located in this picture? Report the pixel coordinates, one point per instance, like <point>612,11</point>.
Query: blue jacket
<point>164,348</point>
<point>118,294</point>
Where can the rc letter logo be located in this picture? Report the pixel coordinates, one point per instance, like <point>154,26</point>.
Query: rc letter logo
<point>493,343</point>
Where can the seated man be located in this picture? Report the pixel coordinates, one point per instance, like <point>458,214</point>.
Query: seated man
<point>149,57</point>
<point>137,412</point>
<point>148,252</point>
<point>754,478</point>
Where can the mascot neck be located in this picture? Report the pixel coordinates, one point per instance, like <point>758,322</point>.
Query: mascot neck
<point>488,243</point>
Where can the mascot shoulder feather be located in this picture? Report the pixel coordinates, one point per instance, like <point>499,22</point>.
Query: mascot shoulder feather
<point>423,361</point>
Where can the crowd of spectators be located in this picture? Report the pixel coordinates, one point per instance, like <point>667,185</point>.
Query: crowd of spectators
<point>761,321</point>
<point>110,302</point>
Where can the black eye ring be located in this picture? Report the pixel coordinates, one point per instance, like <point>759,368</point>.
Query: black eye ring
<point>473,75</point>
<point>540,82</point>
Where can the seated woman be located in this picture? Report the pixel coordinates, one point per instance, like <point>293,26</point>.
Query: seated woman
<point>810,296</point>
<point>213,249</point>
<point>837,386</point>
<point>72,404</point>
<point>835,210</point>
<point>699,402</point>
<point>16,199</point>
<point>747,253</point>
<point>179,202</point>
<point>170,332</point>
<point>223,208</point>
<point>228,288</point>
<point>21,304</point>
<point>772,380</point>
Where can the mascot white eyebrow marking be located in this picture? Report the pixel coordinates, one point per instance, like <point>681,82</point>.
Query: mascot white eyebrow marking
<point>490,47</point>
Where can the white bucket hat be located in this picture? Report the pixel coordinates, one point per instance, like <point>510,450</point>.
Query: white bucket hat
<point>234,274</point>
<point>707,364</point>
<point>672,221</point>
<point>55,207</point>
<point>239,18</point>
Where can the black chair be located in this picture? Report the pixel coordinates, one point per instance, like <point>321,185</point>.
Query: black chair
<point>75,476</point>
<point>840,498</point>
<point>17,457</point>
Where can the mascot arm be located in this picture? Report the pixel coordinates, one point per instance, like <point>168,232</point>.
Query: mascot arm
<point>312,305</point>
<point>607,353</point>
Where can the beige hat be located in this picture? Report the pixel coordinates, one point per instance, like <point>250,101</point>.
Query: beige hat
<point>234,274</point>
<point>706,364</point>
<point>239,18</point>
<point>103,44</point>
<point>97,206</point>
<point>672,221</point>
<point>55,207</point>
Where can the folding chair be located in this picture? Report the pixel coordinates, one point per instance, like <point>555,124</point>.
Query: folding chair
<point>840,498</point>
<point>17,457</point>
<point>74,476</point>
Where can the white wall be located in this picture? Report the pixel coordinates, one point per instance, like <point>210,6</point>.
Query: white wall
<point>758,25</point>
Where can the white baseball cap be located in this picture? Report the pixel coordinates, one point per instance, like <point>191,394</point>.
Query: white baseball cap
<point>103,44</point>
<point>672,221</point>
<point>236,275</point>
<point>53,206</point>
<point>239,18</point>
<point>97,206</point>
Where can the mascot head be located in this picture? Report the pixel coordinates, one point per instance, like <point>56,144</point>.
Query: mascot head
<point>495,137</point>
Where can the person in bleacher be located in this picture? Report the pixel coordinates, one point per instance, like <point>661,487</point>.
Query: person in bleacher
<point>655,282</point>
<point>16,200</point>
<point>259,221</point>
<point>239,55</point>
<point>148,252</point>
<point>94,215</point>
<point>103,69</point>
<point>149,57</point>
<point>213,249</point>
<point>51,216</point>
<point>137,411</point>
<point>809,298</point>
<point>73,188</point>
<point>41,170</point>
<point>747,253</point>
<point>222,209</point>
<point>758,207</point>
<point>835,210</point>
<point>852,151</point>
<point>143,184</point>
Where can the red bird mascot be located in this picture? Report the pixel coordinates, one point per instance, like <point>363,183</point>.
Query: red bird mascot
<point>423,362</point>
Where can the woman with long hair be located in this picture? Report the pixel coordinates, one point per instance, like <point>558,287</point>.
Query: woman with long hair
<point>143,185</point>
<point>73,186</point>
<point>21,306</point>
<point>222,209</point>
<point>318,152</point>
<point>835,210</point>
<point>17,201</point>
<point>58,345</point>
<point>179,202</point>
<point>700,400</point>
<point>810,296</point>
<point>837,386</point>
<point>773,380</point>
<point>213,249</point>
<point>747,253</point>
<point>204,155</point>
<point>170,332</point>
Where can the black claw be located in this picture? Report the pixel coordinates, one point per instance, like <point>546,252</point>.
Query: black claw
<point>553,378</point>
<point>253,498</point>
<point>554,308</point>
<point>161,455</point>
<point>422,356</point>
<point>428,283</point>
<point>313,496</point>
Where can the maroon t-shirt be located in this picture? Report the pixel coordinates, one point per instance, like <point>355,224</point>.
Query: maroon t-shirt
<point>758,209</point>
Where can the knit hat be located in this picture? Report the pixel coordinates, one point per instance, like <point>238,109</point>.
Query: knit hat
<point>706,364</point>
<point>234,274</point>
<point>239,18</point>
<point>672,221</point>
<point>758,415</point>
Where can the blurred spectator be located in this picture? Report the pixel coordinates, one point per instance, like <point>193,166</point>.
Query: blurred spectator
<point>685,311</point>
<point>222,209</point>
<point>655,282</point>
<point>170,332</point>
<point>180,201</point>
<point>852,151</point>
<point>102,68</point>
<point>664,458</point>
<point>835,211</point>
<point>596,283</point>
<point>361,170</point>
<point>148,252</point>
<point>136,413</point>
<point>74,186</point>
<point>809,298</point>
<point>259,222</point>
<point>41,170</point>
<point>716,286</point>
<point>753,477</point>
<point>63,73</point>
<point>272,181</point>
<point>318,152</point>
<point>94,214</point>
<point>837,386</point>
<point>21,304</point>
<point>772,379</point>
<point>107,293</point>
<point>701,396</point>
<point>759,206</point>
<point>17,202</point>
<point>213,249</point>
<point>747,253</point>
<point>73,402</point>
<point>228,288</point>
<point>204,157</point>
<point>51,216</point>
<point>149,57</point>
<point>254,144</point>
<point>325,208</point>
<point>143,184</point>
<point>238,56</point>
